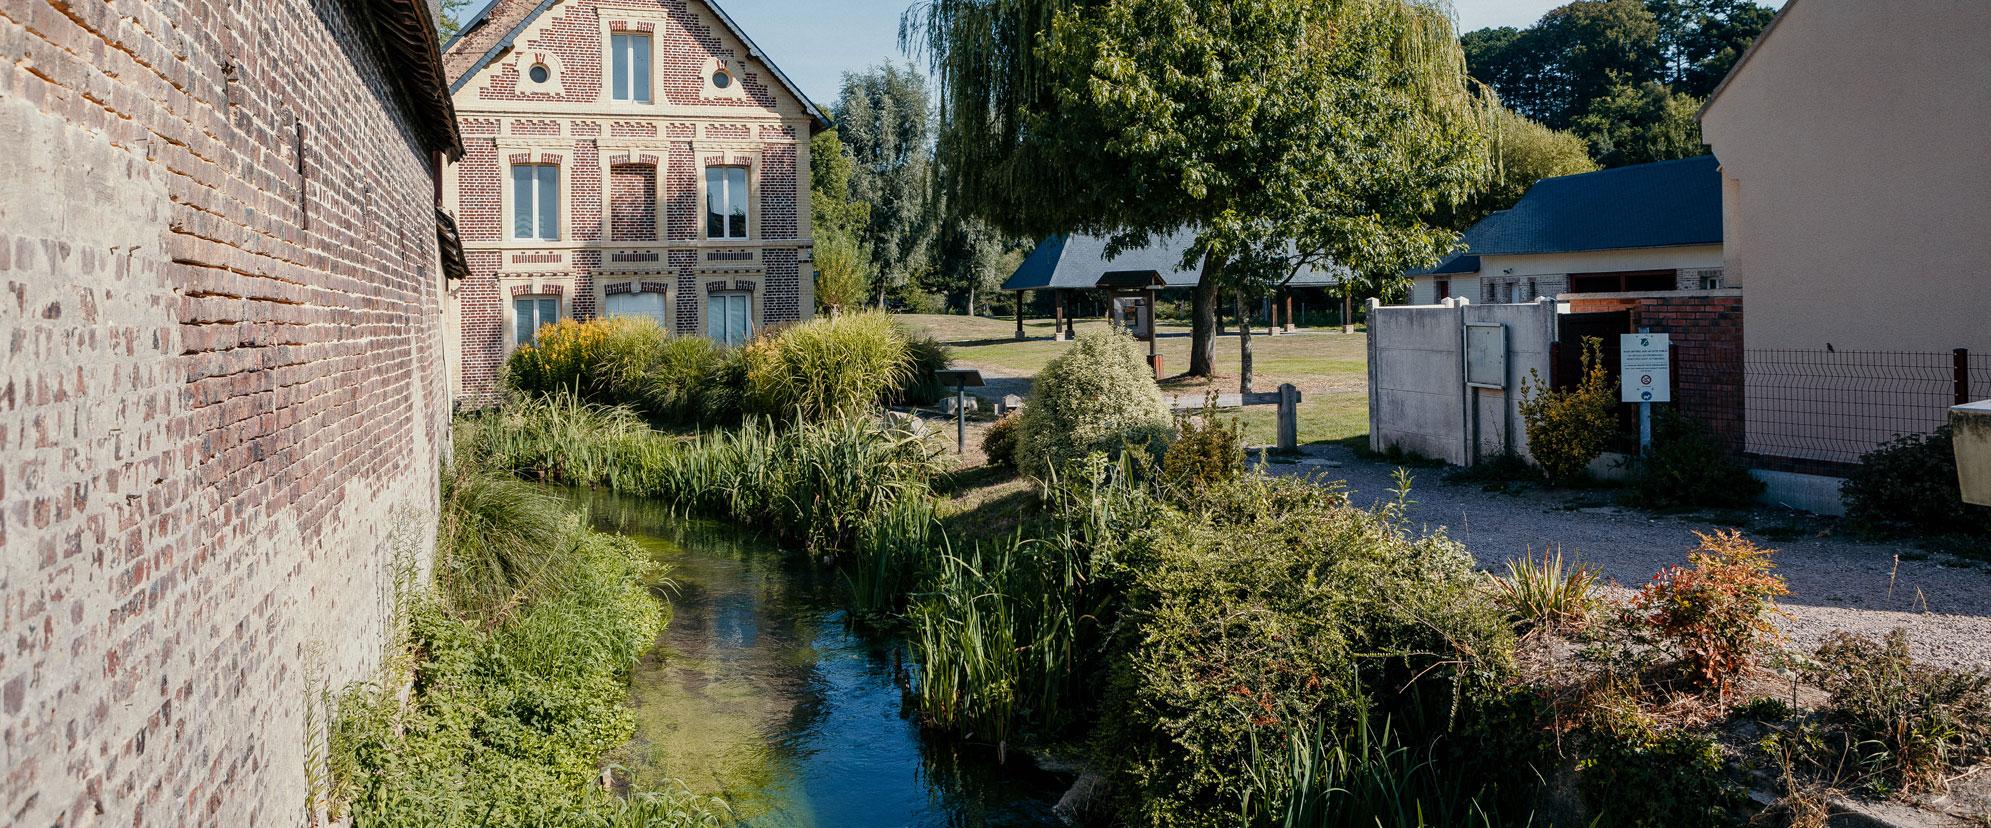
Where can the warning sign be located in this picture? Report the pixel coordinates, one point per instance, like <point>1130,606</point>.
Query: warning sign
<point>1646,367</point>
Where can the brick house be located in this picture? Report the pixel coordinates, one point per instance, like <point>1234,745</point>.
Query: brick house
<point>623,157</point>
<point>222,402</point>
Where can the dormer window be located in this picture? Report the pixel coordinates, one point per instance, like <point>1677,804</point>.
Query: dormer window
<point>629,67</point>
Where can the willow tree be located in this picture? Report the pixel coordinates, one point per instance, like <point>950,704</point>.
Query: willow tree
<point>1287,132</point>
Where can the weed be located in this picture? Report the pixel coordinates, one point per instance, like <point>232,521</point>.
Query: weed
<point>1547,594</point>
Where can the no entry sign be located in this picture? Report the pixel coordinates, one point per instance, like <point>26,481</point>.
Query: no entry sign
<point>1645,368</point>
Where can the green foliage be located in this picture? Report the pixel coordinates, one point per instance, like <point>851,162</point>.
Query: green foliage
<point>1546,593</point>
<point>843,271</point>
<point>1647,779</point>
<point>834,211</point>
<point>1718,613</point>
<point>570,356</point>
<point>825,368</point>
<point>999,442</point>
<point>619,361</point>
<point>925,356</point>
<point>1367,779</point>
<point>1910,484</point>
<point>1524,152</point>
<point>496,540</point>
<point>1569,428</point>
<point>1641,124</point>
<point>1908,724</point>
<point>1098,396</point>
<point>883,118</point>
<point>669,379</point>
<point>1209,452</point>
<point>1688,467</point>
<point>506,725</point>
<point>1271,608</point>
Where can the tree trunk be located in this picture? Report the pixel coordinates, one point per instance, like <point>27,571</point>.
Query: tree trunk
<point>971,300</point>
<point>1203,322</point>
<point>1243,343</point>
<point>1347,308</point>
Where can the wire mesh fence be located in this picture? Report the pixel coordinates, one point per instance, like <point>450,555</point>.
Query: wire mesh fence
<point>1829,407</point>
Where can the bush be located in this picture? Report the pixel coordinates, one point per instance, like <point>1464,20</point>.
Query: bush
<point>667,380</point>
<point>1688,467</point>
<point>575,357</point>
<point>1269,608</point>
<point>1567,429</point>
<point>1912,723</point>
<point>1717,613</point>
<point>925,357</point>
<point>1910,484</point>
<point>1208,452</point>
<point>1096,397</point>
<point>1648,779</point>
<point>825,368</point>
<point>1545,593</point>
<point>999,442</point>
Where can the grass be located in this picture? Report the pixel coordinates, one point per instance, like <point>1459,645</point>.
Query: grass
<point>1327,366</point>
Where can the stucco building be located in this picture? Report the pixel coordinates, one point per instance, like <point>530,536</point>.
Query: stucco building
<point>222,402</point>
<point>623,157</point>
<point>1856,190</point>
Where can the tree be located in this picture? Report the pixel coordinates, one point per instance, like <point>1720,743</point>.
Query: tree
<point>1524,152</point>
<point>843,271</point>
<point>1286,132</point>
<point>971,259</point>
<point>1701,39</point>
<point>1640,124</point>
<point>1511,61</point>
<point>1591,46</point>
<point>450,21</point>
<point>830,170</point>
<point>884,119</point>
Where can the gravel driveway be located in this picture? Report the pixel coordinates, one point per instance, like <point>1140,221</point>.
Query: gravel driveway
<point>1837,583</point>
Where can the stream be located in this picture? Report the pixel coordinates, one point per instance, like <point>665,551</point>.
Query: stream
<point>760,692</point>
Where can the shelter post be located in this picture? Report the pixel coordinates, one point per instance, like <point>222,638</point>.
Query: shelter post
<point>1019,314</point>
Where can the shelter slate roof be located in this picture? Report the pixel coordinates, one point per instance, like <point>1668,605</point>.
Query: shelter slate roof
<point>491,31</point>
<point>1078,261</point>
<point>1455,263</point>
<point>1662,204</point>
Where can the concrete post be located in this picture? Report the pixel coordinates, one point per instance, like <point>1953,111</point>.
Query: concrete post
<point>1019,314</point>
<point>1289,418</point>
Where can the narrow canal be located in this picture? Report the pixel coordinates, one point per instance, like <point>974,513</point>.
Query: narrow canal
<point>761,693</point>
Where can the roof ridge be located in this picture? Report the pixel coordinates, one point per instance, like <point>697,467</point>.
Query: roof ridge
<point>1630,167</point>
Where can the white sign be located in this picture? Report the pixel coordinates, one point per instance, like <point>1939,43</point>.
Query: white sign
<point>1645,365</point>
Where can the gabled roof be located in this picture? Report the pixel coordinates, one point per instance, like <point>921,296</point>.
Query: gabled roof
<point>1663,204</point>
<point>1079,261</point>
<point>1451,266</point>
<point>1736,68</point>
<point>486,35</point>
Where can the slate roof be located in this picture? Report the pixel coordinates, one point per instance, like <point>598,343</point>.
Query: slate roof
<point>490,31</point>
<point>1663,204</point>
<point>1453,264</point>
<point>1078,261</point>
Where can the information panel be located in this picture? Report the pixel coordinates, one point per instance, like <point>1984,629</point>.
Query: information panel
<point>1645,364</point>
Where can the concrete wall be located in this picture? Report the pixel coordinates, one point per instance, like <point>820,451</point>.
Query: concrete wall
<point>632,176</point>
<point>1424,289</point>
<point>1418,399</point>
<point>1856,181</point>
<point>221,399</point>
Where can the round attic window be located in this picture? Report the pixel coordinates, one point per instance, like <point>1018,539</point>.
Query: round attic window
<point>539,73</point>
<point>721,79</point>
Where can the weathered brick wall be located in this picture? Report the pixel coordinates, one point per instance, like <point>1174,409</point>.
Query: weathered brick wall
<point>633,174</point>
<point>1707,339</point>
<point>221,398</point>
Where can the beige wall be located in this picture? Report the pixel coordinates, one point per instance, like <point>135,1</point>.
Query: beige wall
<point>1857,176</point>
<point>1602,261</point>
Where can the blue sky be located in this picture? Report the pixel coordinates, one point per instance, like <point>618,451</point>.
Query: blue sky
<point>816,41</point>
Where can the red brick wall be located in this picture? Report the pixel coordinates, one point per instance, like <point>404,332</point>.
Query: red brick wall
<point>652,162</point>
<point>222,399</point>
<point>1707,337</point>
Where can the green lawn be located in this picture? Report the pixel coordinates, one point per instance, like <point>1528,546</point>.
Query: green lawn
<point>1326,365</point>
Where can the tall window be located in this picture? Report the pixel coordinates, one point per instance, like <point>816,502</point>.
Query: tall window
<point>534,312</point>
<point>640,305</point>
<point>536,201</point>
<point>629,66</point>
<point>725,202</point>
<point>728,317</point>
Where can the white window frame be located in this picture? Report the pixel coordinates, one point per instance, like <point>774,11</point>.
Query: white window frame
<point>662,318</point>
<point>746,185</point>
<point>520,338</point>
<point>625,69</point>
<point>711,317</point>
<point>538,233</point>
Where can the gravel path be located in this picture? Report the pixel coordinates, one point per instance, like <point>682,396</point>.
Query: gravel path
<point>1837,583</point>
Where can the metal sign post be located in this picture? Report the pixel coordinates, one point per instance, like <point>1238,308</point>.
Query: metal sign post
<point>1645,367</point>
<point>962,379</point>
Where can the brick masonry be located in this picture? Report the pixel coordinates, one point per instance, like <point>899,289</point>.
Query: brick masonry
<point>222,398</point>
<point>633,173</point>
<point>1707,345</point>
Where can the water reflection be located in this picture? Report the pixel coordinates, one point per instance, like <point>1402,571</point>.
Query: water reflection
<point>761,693</point>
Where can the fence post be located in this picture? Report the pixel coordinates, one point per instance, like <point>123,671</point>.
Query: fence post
<point>1289,418</point>
<point>1962,379</point>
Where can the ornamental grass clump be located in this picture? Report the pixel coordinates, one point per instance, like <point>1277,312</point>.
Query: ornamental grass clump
<point>825,368</point>
<point>1098,397</point>
<point>1545,593</point>
<point>1569,428</point>
<point>1717,613</point>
